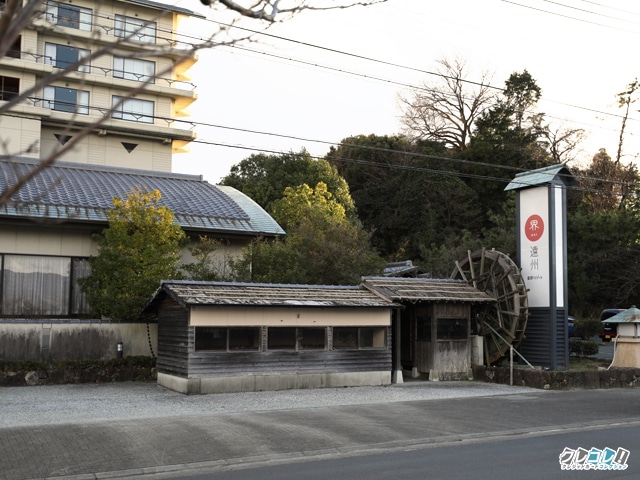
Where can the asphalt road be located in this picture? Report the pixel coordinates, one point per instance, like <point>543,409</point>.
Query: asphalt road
<point>525,457</point>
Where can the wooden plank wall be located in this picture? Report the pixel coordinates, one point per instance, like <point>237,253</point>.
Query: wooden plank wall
<point>204,364</point>
<point>175,338</point>
<point>177,356</point>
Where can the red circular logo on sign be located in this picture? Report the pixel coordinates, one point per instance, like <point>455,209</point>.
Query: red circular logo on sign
<point>534,228</point>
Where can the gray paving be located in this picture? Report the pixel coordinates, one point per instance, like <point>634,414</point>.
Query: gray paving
<point>89,431</point>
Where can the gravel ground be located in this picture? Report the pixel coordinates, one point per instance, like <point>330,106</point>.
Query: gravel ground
<point>65,404</point>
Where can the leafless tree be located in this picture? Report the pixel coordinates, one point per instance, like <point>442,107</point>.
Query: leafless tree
<point>276,10</point>
<point>18,15</point>
<point>625,100</point>
<point>445,110</point>
<point>563,143</point>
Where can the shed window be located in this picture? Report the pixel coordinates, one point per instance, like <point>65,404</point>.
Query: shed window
<point>282,338</point>
<point>291,338</point>
<point>311,338</point>
<point>372,337</point>
<point>359,337</point>
<point>226,339</point>
<point>453,329</point>
<point>211,338</point>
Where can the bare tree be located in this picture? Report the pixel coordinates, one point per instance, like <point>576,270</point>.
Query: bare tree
<point>625,99</point>
<point>18,15</point>
<point>446,109</point>
<point>275,10</point>
<point>563,143</point>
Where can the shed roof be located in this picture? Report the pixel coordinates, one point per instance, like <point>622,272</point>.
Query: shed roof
<point>75,192</point>
<point>630,315</point>
<point>193,293</point>
<point>425,289</point>
<point>542,176</point>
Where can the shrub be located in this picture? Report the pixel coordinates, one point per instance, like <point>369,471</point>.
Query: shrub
<point>587,328</point>
<point>583,348</point>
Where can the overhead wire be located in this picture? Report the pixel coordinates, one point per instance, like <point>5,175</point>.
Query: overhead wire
<point>343,71</point>
<point>392,64</point>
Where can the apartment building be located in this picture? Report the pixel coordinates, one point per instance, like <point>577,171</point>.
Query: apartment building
<point>110,81</point>
<point>129,73</point>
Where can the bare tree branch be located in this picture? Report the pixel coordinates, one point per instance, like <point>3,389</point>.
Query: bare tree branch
<point>270,10</point>
<point>445,111</point>
<point>18,15</point>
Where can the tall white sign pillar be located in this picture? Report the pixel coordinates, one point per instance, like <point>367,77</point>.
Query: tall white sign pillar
<point>542,256</point>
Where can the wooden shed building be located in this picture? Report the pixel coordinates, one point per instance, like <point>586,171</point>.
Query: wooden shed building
<point>435,324</point>
<point>230,337</point>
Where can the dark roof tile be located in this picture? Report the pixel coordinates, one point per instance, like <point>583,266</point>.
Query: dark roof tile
<point>84,193</point>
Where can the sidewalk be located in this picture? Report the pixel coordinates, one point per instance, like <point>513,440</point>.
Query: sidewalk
<point>84,435</point>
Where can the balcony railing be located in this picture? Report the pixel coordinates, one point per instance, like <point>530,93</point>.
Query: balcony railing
<point>108,72</point>
<point>95,21</point>
<point>107,113</point>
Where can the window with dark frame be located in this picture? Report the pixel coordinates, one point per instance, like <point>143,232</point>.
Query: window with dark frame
<point>345,337</point>
<point>15,49</point>
<point>9,88</point>
<point>132,28</point>
<point>359,338</point>
<point>211,338</point>
<point>372,337</point>
<point>69,16</point>
<point>281,338</point>
<point>452,329</point>
<point>42,286</point>
<point>133,109</point>
<point>134,69</point>
<point>223,339</point>
<point>244,338</point>
<point>61,56</point>
<point>296,338</point>
<point>312,338</point>
<point>65,99</point>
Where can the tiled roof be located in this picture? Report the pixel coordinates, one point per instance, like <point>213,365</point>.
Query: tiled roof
<point>425,289</point>
<point>84,193</point>
<point>190,293</point>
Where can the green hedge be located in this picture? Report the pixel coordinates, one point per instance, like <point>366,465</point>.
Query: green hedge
<point>27,365</point>
<point>583,348</point>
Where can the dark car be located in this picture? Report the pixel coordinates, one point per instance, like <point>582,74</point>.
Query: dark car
<point>609,330</point>
<point>570,322</point>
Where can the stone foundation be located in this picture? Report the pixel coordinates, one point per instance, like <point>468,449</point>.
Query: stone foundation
<point>107,372</point>
<point>560,380</point>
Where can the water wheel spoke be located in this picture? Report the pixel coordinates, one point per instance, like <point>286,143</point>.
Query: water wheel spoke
<point>497,275</point>
<point>461,272</point>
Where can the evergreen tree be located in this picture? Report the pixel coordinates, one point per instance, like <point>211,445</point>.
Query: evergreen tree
<point>140,247</point>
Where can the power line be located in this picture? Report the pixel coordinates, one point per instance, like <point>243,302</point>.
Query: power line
<point>563,15</point>
<point>450,173</point>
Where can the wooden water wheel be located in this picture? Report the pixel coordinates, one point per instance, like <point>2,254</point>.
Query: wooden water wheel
<point>502,323</point>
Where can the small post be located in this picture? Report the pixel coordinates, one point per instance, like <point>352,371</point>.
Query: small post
<point>511,365</point>
<point>119,349</point>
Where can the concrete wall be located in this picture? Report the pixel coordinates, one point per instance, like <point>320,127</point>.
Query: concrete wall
<point>52,342</point>
<point>256,383</point>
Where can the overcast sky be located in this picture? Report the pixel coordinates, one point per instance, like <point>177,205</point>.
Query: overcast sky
<point>321,77</point>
